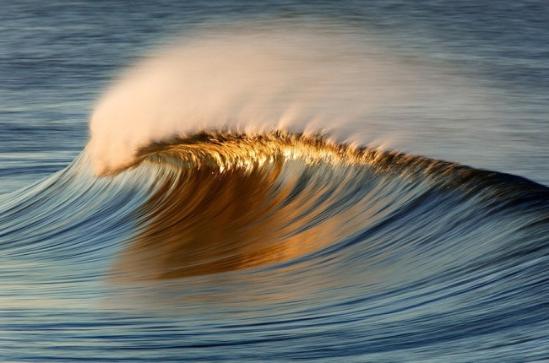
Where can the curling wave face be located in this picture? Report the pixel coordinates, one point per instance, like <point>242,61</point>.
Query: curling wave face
<point>228,201</point>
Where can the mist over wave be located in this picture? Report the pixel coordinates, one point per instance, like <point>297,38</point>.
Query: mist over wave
<point>248,79</point>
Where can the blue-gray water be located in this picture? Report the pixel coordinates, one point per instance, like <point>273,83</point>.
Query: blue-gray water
<point>415,260</point>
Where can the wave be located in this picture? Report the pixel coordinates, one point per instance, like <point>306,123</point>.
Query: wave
<point>225,201</point>
<point>275,218</point>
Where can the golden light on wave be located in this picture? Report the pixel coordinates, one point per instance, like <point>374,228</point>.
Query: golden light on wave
<point>225,151</point>
<point>222,207</point>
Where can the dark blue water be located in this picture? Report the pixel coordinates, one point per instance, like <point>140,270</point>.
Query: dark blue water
<point>401,259</point>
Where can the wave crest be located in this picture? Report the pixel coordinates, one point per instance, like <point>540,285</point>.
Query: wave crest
<point>253,81</point>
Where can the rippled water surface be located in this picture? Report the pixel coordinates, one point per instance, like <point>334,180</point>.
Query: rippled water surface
<point>271,188</point>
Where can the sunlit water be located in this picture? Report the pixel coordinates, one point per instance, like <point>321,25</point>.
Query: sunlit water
<point>275,246</point>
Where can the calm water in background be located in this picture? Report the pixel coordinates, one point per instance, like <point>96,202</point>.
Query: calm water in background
<point>57,57</point>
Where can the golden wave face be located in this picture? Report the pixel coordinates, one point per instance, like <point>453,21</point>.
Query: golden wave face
<point>220,206</point>
<point>229,202</point>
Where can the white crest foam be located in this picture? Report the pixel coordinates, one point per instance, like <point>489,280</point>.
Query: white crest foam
<point>248,81</point>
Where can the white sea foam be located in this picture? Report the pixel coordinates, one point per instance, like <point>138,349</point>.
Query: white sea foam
<point>250,81</point>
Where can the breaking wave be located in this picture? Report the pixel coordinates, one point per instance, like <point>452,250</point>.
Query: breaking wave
<point>253,222</point>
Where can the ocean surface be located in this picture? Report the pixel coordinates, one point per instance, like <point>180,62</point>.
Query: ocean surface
<point>339,181</point>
